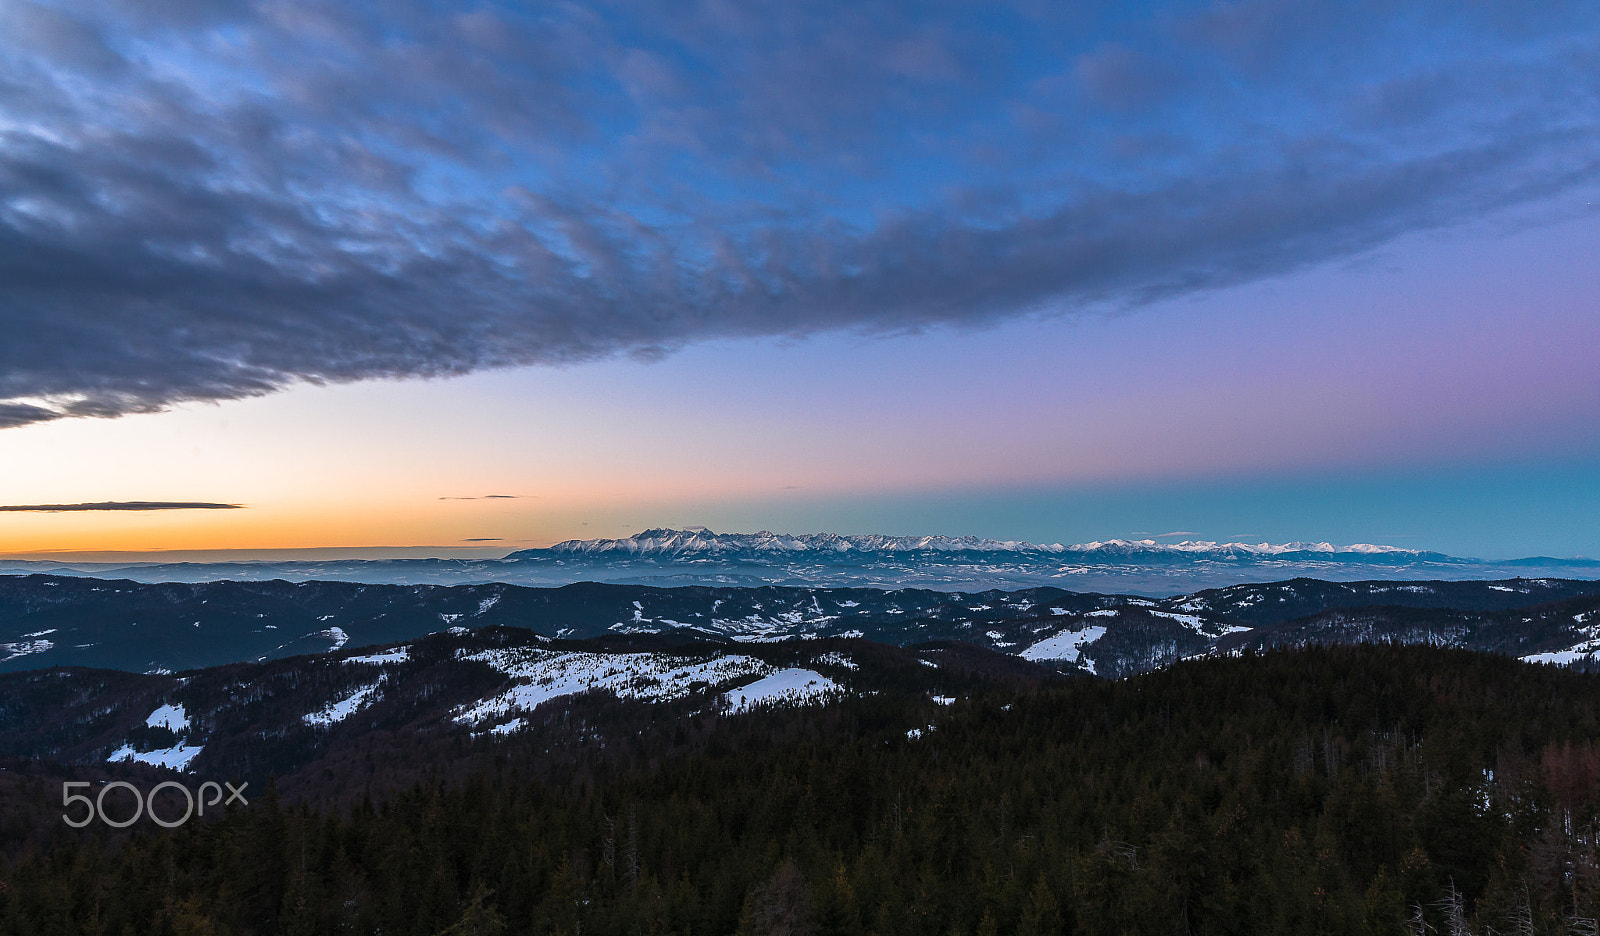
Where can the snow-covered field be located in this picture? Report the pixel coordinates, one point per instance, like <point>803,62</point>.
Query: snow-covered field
<point>543,675</point>
<point>550,674</point>
<point>177,757</point>
<point>1565,657</point>
<point>171,717</point>
<point>1063,646</point>
<point>786,685</point>
<point>336,712</point>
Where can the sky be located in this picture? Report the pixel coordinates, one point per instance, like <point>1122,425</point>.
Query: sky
<point>456,279</point>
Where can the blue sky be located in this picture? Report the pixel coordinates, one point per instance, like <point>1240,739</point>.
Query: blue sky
<point>1296,270</point>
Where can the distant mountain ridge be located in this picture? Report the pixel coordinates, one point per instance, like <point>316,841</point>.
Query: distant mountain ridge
<point>676,557</point>
<point>666,542</point>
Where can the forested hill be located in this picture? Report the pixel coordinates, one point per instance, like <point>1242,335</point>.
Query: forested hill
<point>1321,790</point>
<point>50,621</point>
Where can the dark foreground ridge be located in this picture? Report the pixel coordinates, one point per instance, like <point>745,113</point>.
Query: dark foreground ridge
<point>1315,790</point>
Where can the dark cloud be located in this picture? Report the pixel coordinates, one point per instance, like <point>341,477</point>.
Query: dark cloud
<point>20,414</point>
<point>119,505</point>
<point>211,201</point>
<point>487,497</point>
<point>60,36</point>
<point>483,539</point>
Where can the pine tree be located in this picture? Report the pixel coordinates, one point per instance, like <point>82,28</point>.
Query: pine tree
<point>480,918</point>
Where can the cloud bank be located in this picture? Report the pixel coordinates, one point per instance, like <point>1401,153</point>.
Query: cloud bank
<point>119,505</point>
<point>216,199</point>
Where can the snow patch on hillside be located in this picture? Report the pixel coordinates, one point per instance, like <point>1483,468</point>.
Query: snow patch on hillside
<point>174,758</point>
<point>1563,657</point>
<point>23,648</point>
<point>397,655</point>
<point>170,717</point>
<point>335,712</point>
<point>551,674</point>
<point>835,658</point>
<point>1063,646</point>
<point>791,685</point>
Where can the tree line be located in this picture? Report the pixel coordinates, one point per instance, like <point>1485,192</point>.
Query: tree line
<point>1376,789</point>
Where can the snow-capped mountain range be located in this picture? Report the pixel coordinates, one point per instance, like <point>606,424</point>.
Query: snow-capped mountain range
<point>667,543</point>
<point>670,557</point>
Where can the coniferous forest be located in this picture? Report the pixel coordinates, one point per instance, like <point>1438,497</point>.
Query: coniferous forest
<point>1368,789</point>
